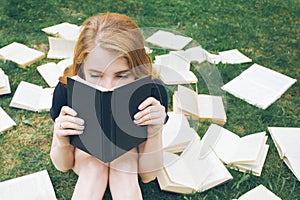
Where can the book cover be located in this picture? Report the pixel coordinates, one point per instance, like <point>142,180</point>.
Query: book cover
<point>109,128</point>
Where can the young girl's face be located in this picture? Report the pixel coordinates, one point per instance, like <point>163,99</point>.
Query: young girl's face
<point>107,69</point>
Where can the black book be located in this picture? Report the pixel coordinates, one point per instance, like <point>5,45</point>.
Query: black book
<point>109,128</point>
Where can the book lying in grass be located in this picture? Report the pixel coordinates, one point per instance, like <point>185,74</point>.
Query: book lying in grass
<point>28,187</point>
<point>233,56</point>
<point>198,54</point>
<point>169,40</point>
<point>64,30</point>
<point>4,83</point>
<point>52,71</point>
<point>287,142</point>
<point>177,133</point>
<point>259,192</point>
<point>174,69</point>
<point>246,153</point>
<point>259,86</point>
<point>6,121</point>
<point>189,172</point>
<point>32,97</point>
<point>199,106</point>
<point>20,54</point>
<point>60,48</point>
<point>109,128</point>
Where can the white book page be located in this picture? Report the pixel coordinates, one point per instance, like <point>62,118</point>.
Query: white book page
<point>187,100</point>
<point>293,162</point>
<point>233,56</point>
<point>6,88</point>
<point>175,77</point>
<point>196,54</point>
<point>60,48</point>
<point>45,101</point>
<point>259,192</point>
<point>33,186</point>
<point>249,147</point>
<point>210,106</point>
<point>287,139</point>
<point>27,96</point>
<point>223,142</point>
<point>174,60</point>
<point>20,53</point>
<point>64,30</point>
<point>168,40</point>
<point>2,78</point>
<point>50,72</point>
<point>6,121</point>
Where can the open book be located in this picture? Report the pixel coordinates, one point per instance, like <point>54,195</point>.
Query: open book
<point>177,133</point>
<point>233,56</point>
<point>259,192</point>
<point>60,48</point>
<point>4,83</point>
<point>20,54</point>
<point>109,128</point>
<point>287,142</point>
<point>32,97</point>
<point>6,121</point>
<point>64,30</point>
<point>259,86</point>
<point>169,40</point>
<point>174,69</point>
<point>32,186</point>
<point>190,172</point>
<point>52,71</point>
<point>199,106</point>
<point>247,153</point>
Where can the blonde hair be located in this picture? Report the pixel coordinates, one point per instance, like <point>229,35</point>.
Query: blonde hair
<point>112,32</point>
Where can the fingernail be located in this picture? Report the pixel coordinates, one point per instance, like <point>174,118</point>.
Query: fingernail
<point>80,132</point>
<point>81,121</point>
<point>137,121</point>
<point>136,116</point>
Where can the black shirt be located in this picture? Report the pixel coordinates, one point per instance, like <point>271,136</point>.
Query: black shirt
<point>60,98</point>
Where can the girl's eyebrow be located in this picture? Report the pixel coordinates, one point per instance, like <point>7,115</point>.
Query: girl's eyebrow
<point>123,71</point>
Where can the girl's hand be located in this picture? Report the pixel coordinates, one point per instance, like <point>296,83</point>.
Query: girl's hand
<point>67,124</point>
<point>151,113</point>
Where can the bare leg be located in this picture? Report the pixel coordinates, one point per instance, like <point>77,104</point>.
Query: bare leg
<point>93,177</point>
<point>123,177</point>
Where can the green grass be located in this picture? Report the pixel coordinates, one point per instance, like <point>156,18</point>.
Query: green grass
<point>266,31</point>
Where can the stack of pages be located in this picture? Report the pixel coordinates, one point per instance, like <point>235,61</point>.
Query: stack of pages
<point>52,71</point>
<point>246,153</point>
<point>32,97</point>
<point>259,192</point>
<point>20,54</point>
<point>4,83</point>
<point>6,121</point>
<point>259,86</point>
<point>168,40</point>
<point>199,106</point>
<point>233,56</point>
<point>60,48</point>
<point>287,142</point>
<point>177,133</point>
<point>32,186</point>
<point>64,30</point>
<point>191,172</point>
<point>174,69</point>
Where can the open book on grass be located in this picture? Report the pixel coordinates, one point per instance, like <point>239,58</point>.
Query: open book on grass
<point>28,187</point>
<point>4,83</point>
<point>52,71</point>
<point>190,172</point>
<point>259,192</point>
<point>6,121</point>
<point>287,142</point>
<point>64,30</point>
<point>32,97</point>
<point>20,54</point>
<point>174,69</point>
<point>199,106</point>
<point>233,56</point>
<point>60,48</point>
<point>247,153</point>
<point>169,40</point>
<point>259,86</point>
<point>177,133</point>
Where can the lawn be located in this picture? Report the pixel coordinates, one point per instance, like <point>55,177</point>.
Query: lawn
<point>266,31</point>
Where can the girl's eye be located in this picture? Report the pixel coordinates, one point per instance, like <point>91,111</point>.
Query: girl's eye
<point>95,75</point>
<point>122,76</point>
